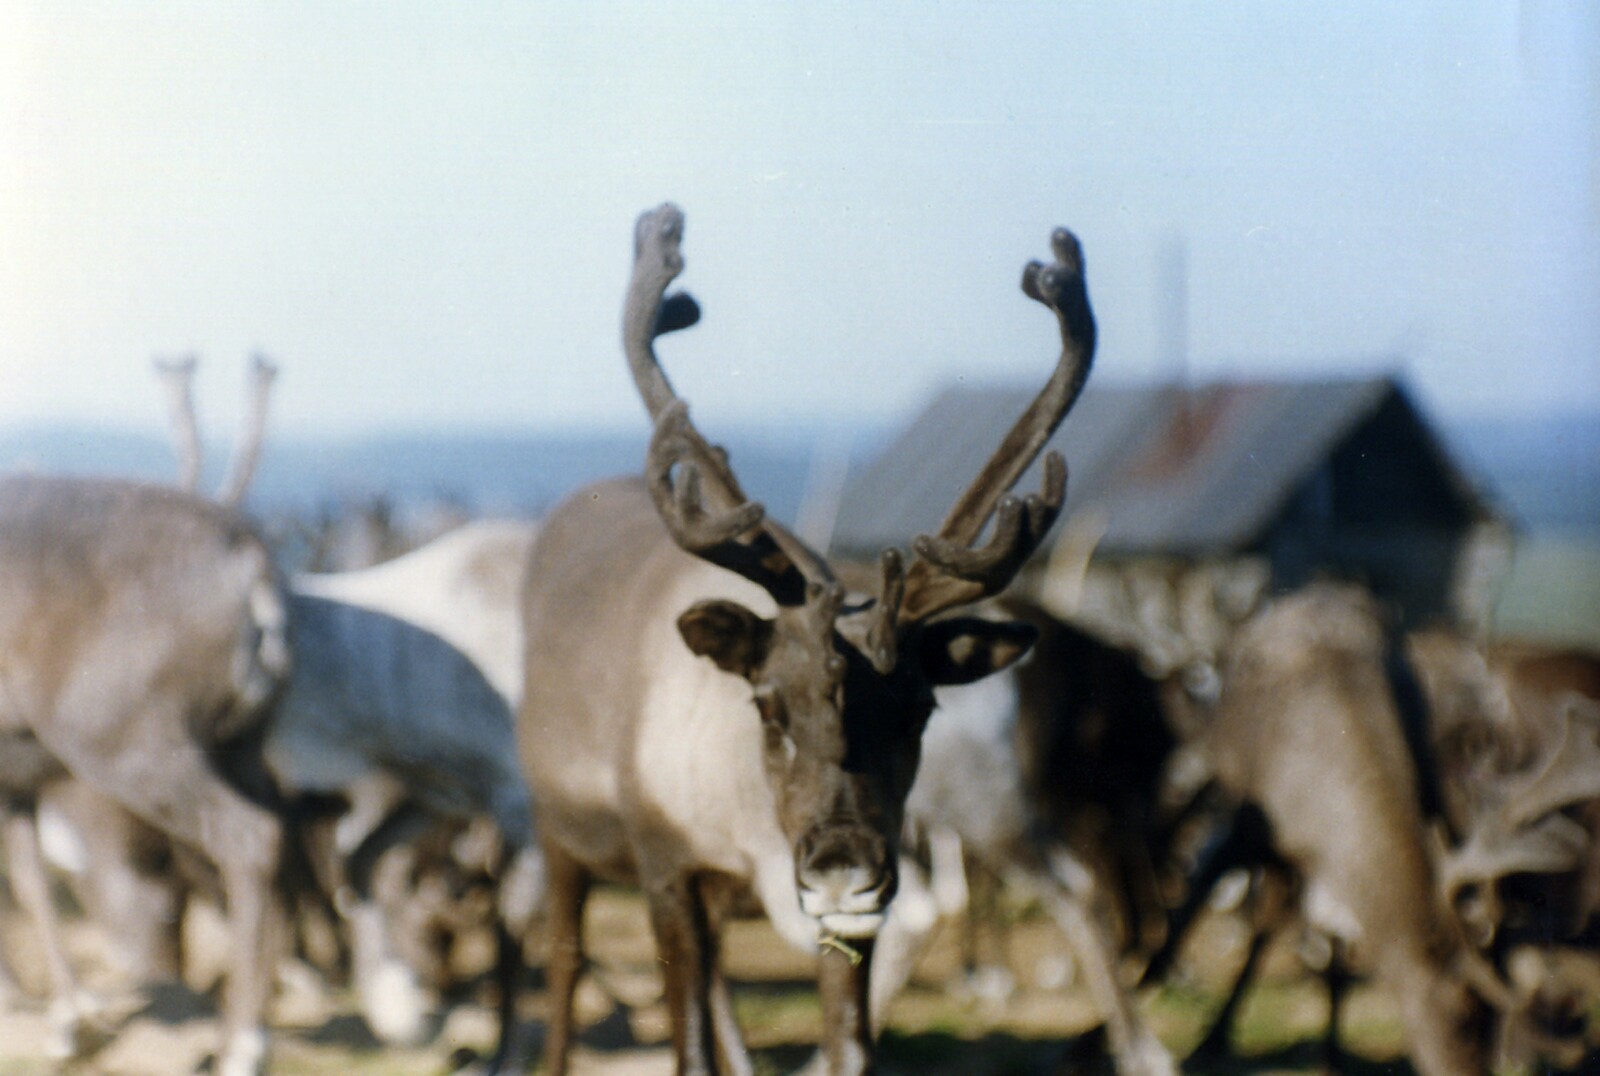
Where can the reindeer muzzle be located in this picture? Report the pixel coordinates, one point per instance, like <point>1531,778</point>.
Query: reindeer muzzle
<point>845,880</point>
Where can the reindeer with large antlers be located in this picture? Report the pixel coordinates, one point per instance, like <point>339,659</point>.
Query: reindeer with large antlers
<point>706,710</point>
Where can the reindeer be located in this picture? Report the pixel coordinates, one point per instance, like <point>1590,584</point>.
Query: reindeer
<point>142,638</point>
<point>374,700</point>
<point>412,712</point>
<point>1047,776</point>
<point>1517,738</point>
<point>705,710</point>
<point>1350,772</point>
<point>116,573</point>
<point>1308,733</point>
<point>401,700</point>
<point>464,586</point>
<point>1493,783</point>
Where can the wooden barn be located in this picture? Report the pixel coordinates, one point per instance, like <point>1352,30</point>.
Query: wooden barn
<point>1196,501</point>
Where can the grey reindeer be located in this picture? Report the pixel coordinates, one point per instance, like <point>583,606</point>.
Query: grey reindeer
<point>407,714</point>
<point>142,639</point>
<point>400,699</point>
<point>143,633</point>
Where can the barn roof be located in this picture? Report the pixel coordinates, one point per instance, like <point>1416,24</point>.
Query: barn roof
<point>1194,470</point>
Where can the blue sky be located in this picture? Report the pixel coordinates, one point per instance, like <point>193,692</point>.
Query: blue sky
<point>423,211</point>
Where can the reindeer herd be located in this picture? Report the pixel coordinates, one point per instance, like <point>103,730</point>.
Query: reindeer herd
<point>659,686</point>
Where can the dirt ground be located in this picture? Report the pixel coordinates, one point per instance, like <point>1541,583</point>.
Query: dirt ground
<point>938,1026</point>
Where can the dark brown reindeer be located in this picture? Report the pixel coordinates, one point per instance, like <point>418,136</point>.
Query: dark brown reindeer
<point>1047,776</point>
<point>782,761</point>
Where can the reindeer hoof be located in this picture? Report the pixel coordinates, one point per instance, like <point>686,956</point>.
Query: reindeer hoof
<point>394,1006</point>
<point>243,1054</point>
<point>77,1028</point>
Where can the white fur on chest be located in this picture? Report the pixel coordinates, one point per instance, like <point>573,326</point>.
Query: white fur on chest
<point>698,764</point>
<point>699,768</point>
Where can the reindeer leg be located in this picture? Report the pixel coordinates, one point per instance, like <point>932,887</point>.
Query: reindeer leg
<point>842,982</point>
<point>1245,840</point>
<point>686,948</point>
<point>519,894</point>
<point>245,841</point>
<point>913,917</point>
<point>125,882</point>
<point>731,1052</point>
<point>392,1002</point>
<point>1271,891</point>
<point>508,968</point>
<point>1217,1043</point>
<point>31,885</point>
<point>1337,976</point>
<point>568,890</point>
<point>1069,891</point>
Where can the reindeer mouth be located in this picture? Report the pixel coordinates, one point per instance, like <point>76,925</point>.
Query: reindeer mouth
<point>852,924</point>
<point>858,915</point>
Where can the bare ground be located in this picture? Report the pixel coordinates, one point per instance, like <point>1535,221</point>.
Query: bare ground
<point>936,1028</point>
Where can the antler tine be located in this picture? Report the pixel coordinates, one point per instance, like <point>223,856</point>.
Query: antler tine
<point>733,536</point>
<point>676,444</point>
<point>648,312</point>
<point>1571,770</point>
<point>177,377</point>
<point>884,615</point>
<point>1552,846</point>
<point>949,570</point>
<point>247,449</point>
<point>1523,831</point>
<point>1020,524</point>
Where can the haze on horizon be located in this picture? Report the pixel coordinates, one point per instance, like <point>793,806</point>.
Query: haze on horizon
<point>424,212</point>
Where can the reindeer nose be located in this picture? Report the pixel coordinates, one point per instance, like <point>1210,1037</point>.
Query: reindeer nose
<point>846,880</point>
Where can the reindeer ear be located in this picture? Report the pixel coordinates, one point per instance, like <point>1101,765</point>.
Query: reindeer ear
<point>727,633</point>
<point>967,648</point>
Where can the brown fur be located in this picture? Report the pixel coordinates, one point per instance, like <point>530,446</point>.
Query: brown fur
<point>1307,729</point>
<point>701,710</point>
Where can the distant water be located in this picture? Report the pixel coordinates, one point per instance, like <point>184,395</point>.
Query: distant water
<point>1545,473</point>
<point>494,474</point>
